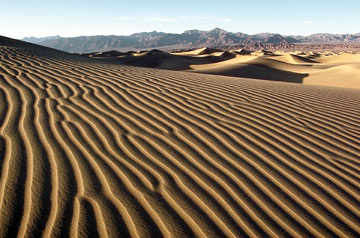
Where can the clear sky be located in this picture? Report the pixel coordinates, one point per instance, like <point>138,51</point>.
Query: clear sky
<point>20,18</point>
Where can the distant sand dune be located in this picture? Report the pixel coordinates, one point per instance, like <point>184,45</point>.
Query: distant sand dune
<point>317,68</point>
<point>95,149</point>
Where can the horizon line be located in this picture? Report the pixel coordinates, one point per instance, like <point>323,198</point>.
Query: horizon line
<point>184,32</point>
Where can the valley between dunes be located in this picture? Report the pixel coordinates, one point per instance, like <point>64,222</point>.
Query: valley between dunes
<point>90,148</point>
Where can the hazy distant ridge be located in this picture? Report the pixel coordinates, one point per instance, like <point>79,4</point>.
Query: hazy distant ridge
<point>190,38</point>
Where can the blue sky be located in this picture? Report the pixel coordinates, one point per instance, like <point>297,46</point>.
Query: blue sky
<point>20,18</point>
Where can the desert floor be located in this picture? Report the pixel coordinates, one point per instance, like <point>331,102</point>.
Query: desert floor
<point>90,148</point>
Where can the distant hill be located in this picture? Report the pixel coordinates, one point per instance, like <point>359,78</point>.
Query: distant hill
<point>325,37</point>
<point>35,40</point>
<point>189,39</point>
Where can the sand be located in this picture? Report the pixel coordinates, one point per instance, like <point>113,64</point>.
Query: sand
<point>335,69</point>
<point>340,69</point>
<point>95,149</point>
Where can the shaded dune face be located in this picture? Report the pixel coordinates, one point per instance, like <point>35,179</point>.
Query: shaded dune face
<point>91,149</point>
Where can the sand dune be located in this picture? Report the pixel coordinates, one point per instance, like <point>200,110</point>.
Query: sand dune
<point>200,52</point>
<point>317,68</point>
<point>94,149</point>
<point>295,59</point>
<point>326,69</point>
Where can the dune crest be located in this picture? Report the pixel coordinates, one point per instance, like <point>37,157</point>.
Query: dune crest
<point>316,68</point>
<point>94,149</point>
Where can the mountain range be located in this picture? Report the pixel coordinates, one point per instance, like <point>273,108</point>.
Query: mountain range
<point>188,39</point>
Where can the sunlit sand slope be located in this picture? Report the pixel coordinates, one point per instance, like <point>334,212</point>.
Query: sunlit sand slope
<point>98,150</point>
<point>341,69</point>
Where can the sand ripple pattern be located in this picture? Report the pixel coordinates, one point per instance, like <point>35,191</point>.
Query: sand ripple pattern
<point>100,150</point>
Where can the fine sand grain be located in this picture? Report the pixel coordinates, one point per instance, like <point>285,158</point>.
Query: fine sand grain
<point>94,149</point>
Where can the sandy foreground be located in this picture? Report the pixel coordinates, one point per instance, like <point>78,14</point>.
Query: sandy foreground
<point>95,149</point>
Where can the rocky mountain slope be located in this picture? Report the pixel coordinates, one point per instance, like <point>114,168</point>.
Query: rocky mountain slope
<point>189,39</point>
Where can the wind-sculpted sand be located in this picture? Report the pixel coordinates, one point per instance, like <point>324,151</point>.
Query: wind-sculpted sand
<point>94,149</point>
<point>341,69</point>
